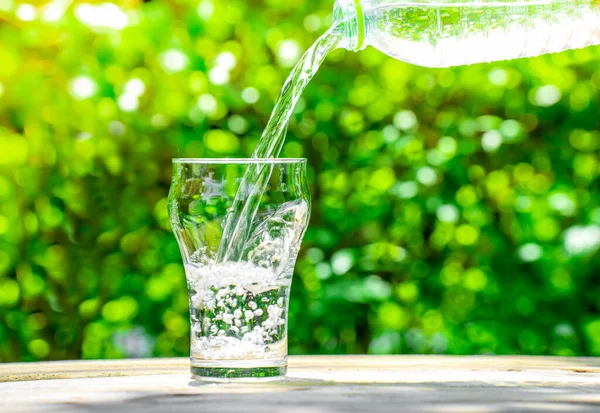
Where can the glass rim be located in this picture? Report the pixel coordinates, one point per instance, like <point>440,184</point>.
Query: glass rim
<point>238,161</point>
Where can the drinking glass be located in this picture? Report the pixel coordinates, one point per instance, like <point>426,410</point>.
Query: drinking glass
<point>239,309</point>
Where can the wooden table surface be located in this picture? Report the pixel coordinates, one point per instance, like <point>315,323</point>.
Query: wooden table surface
<point>433,384</point>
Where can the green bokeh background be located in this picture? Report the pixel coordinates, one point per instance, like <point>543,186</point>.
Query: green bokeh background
<point>456,211</point>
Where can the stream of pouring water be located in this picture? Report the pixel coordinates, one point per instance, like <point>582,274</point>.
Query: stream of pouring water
<point>239,220</point>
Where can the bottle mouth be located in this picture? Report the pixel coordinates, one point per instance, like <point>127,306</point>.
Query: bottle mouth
<point>360,22</point>
<point>350,15</point>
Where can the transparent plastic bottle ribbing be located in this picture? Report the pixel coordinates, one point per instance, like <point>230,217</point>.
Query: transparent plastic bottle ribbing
<point>447,33</point>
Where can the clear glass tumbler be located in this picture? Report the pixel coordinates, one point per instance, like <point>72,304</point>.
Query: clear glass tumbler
<point>238,309</point>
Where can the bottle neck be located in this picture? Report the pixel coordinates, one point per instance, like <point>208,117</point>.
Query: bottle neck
<point>349,14</point>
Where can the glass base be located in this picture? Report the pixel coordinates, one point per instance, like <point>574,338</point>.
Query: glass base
<point>237,369</point>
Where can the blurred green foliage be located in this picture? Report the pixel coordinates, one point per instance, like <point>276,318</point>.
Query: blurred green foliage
<point>455,211</point>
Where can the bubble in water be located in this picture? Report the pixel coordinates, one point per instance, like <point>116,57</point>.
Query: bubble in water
<point>238,311</point>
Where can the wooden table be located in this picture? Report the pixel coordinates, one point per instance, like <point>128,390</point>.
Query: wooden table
<point>406,384</point>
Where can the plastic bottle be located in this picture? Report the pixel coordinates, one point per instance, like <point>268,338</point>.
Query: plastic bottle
<point>447,33</point>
